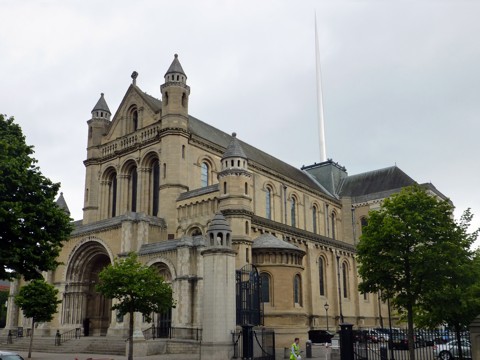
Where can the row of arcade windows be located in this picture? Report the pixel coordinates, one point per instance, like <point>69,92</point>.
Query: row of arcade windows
<point>322,278</point>
<point>293,213</point>
<point>267,285</point>
<point>132,190</point>
<point>267,288</point>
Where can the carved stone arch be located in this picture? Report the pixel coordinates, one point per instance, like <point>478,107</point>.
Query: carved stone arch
<point>128,164</point>
<point>82,305</point>
<point>209,160</point>
<point>149,158</point>
<point>195,229</point>
<point>270,185</point>
<point>108,172</point>
<point>164,263</point>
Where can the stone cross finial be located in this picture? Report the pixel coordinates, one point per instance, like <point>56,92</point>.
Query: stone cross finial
<point>134,78</point>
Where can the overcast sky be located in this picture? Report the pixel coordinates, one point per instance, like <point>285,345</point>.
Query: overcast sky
<point>401,79</point>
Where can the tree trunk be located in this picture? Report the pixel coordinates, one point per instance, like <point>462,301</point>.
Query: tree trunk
<point>31,341</point>
<point>457,335</point>
<point>411,341</point>
<point>130,336</point>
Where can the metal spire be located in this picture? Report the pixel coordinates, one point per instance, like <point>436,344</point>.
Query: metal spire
<point>321,124</point>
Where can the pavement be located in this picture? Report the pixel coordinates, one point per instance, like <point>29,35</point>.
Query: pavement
<point>318,352</point>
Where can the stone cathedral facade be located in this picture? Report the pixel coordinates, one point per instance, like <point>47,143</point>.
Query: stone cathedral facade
<point>156,178</point>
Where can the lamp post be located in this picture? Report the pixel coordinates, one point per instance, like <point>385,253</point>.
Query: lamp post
<point>339,289</point>
<point>326,306</point>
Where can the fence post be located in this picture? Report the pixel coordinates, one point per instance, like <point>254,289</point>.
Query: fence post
<point>247,335</point>
<point>346,342</point>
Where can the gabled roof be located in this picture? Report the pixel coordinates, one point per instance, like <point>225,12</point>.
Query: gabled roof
<point>101,105</point>
<point>373,182</point>
<point>216,136</point>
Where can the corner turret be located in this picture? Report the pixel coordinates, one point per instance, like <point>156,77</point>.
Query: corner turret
<point>99,123</point>
<point>175,93</point>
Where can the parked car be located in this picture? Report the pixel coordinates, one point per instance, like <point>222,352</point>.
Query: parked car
<point>449,350</point>
<point>7,355</point>
<point>399,341</point>
<point>319,336</point>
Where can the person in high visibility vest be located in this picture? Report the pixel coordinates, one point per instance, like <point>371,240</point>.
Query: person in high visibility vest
<point>295,350</point>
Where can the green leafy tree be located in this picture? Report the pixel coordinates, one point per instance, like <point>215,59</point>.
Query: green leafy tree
<point>456,302</point>
<point>38,301</point>
<point>137,288</point>
<point>409,249</point>
<point>32,226</point>
<point>3,307</point>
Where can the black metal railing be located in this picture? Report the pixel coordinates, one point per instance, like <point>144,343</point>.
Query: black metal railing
<point>379,344</point>
<point>67,335</point>
<point>263,344</point>
<point>185,333</point>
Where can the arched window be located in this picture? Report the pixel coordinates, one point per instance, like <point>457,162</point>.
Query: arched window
<point>333,217</point>
<point>155,187</point>
<point>112,194</point>
<point>268,203</point>
<point>297,290</point>
<point>265,278</point>
<point>293,212</point>
<point>314,219</point>
<point>183,151</point>
<point>247,228</point>
<point>135,120</point>
<point>246,188</point>
<point>321,275</point>
<point>133,189</point>
<point>345,279</point>
<point>224,187</point>
<point>363,222</point>
<point>204,175</point>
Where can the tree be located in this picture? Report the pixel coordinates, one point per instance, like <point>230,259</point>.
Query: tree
<point>137,288</point>
<point>410,249</point>
<point>457,302</point>
<point>32,226</point>
<point>38,301</point>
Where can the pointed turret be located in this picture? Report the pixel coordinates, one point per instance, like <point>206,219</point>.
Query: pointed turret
<point>62,204</point>
<point>175,69</point>
<point>101,110</point>
<point>234,156</point>
<point>175,93</point>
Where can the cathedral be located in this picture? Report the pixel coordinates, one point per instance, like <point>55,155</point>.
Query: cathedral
<point>199,205</point>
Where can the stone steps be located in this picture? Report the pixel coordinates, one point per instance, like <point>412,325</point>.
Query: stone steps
<point>94,345</point>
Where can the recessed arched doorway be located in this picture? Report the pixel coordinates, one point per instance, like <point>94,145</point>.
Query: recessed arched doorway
<point>163,321</point>
<point>82,305</point>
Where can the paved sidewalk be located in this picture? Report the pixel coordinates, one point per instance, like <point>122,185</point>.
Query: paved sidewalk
<point>318,352</point>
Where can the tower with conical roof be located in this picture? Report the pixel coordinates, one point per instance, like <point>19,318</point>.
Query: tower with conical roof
<point>235,199</point>
<point>219,291</point>
<point>175,93</point>
<point>97,127</point>
<point>174,138</point>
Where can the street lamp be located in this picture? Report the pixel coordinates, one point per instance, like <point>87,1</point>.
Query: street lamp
<point>326,306</point>
<point>339,289</point>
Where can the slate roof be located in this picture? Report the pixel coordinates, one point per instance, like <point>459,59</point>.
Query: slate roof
<point>384,181</point>
<point>242,149</point>
<point>101,105</point>
<point>217,136</point>
<point>268,241</point>
<point>175,67</point>
<point>62,204</point>
<point>234,149</point>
